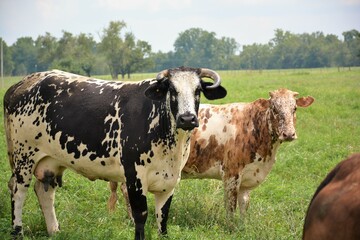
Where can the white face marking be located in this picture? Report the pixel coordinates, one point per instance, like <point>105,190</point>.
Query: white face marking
<point>283,108</point>
<point>185,84</point>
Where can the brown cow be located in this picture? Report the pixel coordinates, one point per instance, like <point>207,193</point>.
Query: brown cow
<point>237,143</point>
<point>334,211</point>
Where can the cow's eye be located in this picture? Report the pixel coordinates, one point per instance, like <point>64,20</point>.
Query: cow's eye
<point>197,91</point>
<point>172,90</point>
<point>173,93</point>
<point>273,108</point>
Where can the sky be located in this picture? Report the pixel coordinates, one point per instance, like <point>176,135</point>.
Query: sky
<point>159,22</point>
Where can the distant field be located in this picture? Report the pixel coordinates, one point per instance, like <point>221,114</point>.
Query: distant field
<point>328,131</point>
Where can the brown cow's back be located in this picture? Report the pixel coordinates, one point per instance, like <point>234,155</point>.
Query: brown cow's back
<point>334,212</point>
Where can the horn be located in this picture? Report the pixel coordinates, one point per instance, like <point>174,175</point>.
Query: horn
<point>204,72</point>
<point>161,75</point>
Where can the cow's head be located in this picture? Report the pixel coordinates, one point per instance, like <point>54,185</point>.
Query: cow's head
<point>181,88</point>
<point>282,107</point>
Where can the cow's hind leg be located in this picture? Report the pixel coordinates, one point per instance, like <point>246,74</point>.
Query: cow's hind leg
<point>49,176</point>
<point>18,186</point>
<point>127,201</point>
<point>46,196</point>
<point>113,196</point>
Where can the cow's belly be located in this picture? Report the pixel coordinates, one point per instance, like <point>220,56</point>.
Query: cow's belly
<point>255,173</point>
<point>162,182</point>
<point>107,169</point>
<point>213,172</point>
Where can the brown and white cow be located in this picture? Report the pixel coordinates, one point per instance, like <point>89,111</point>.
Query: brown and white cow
<point>334,211</point>
<point>237,143</point>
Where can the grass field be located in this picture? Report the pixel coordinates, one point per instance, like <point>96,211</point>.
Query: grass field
<point>328,131</point>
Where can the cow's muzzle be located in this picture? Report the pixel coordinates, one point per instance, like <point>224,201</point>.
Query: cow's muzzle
<point>288,136</point>
<point>187,121</point>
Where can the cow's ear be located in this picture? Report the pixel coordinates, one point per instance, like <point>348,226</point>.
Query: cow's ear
<point>213,93</point>
<point>305,101</point>
<point>262,104</point>
<point>157,91</point>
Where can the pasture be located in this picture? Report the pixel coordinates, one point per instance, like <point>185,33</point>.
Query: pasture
<point>328,131</point>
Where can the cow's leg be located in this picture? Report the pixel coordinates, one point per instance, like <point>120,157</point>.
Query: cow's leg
<point>113,196</point>
<point>18,186</point>
<point>46,197</point>
<point>138,203</point>
<point>162,207</point>
<point>127,201</point>
<point>230,198</point>
<point>243,201</point>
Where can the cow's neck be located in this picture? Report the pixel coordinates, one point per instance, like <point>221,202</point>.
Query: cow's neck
<point>274,138</point>
<point>266,139</point>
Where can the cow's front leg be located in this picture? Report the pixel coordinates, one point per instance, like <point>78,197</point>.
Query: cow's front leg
<point>162,207</point>
<point>46,196</point>
<point>138,203</point>
<point>230,190</point>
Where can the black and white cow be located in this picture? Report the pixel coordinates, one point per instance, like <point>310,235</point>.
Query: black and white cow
<point>132,132</point>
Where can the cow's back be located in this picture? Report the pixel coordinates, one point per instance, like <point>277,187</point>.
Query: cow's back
<point>75,119</point>
<point>334,212</point>
<point>216,140</point>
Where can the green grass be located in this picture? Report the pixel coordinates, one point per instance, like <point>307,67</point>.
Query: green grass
<point>328,131</point>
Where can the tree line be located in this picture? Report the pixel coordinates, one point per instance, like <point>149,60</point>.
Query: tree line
<point>119,52</point>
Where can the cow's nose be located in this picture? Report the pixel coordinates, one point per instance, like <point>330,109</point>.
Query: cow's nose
<point>288,136</point>
<point>187,121</point>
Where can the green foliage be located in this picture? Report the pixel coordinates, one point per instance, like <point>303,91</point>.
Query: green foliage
<point>196,47</point>
<point>120,53</point>
<point>7,59</point>
<point>123,54</point>
<point>287,50</point>
<point>328,131</point>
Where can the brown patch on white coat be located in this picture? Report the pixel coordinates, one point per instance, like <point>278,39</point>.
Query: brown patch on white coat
<point>237,142</point>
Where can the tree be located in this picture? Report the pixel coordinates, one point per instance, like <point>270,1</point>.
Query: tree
<point>226,54</point>
<point>255,56</point>
<point>46,51</point>
<point>352,42</point>
<point>85,52</point>
<point>197,47</point>
<point>65,54</point>
<point>283,51</point>
<point>123,53</point>
<point>7,59</point>
<point>24,56</point>
<point>139,57</point>
<point>161,60</point>
<point>112,47</point>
